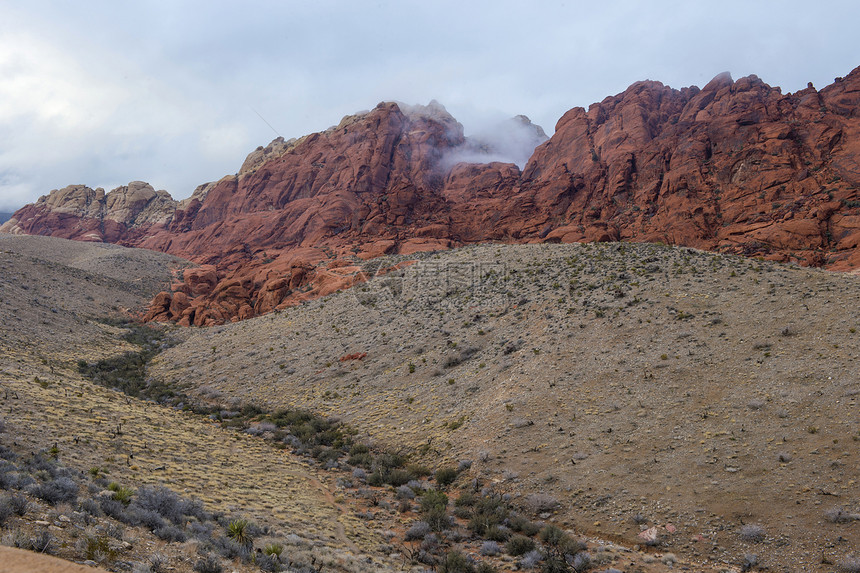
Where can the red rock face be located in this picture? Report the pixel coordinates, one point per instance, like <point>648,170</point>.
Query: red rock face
<point>736,166</point>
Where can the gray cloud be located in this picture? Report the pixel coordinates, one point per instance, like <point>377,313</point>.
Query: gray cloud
<point>103,92</point>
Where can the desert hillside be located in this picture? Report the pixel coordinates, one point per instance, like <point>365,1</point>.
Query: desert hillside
<point>61,302</point>
<point>636,386</point>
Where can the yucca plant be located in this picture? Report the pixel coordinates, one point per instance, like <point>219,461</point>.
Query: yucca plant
<point>238,531</point>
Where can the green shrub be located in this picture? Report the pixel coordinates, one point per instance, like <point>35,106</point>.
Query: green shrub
<point>498,533</point>
<point>418,470</point>
<point>456,562</point>
<point>398,477</point>
<point>98,549</point>
<point>433,507</point>
<point>239,531</point>
<point>559,541</point>
<point>362,460</point>
<point>446,476</point>
<point>466,499</point>
<point>519,545</point>
<point>522,525</point>
<point>122,494</point>
<point>487,513</point>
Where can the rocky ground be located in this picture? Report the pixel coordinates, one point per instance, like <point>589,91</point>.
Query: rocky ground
<point>706,399</point>
<point>674,409</point>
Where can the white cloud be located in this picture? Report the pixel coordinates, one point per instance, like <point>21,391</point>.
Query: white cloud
<point>106,92</point>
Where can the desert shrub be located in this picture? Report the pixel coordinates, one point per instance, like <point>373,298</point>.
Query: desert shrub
<point>581,561</point>
<point>152,520</point>
<point>8,478</point>
<point>555,563</point>
<point>240,531</point>
<point>261,428</point>
<point>5,510</point>
<point>498,533</point>
<point>388,461</point>
<point>405,492</point>
<point>362,460</point>
<point>228,548</point>
<point>170,533</point>
<point>59,490</point>
<point>122,494</point>
<point>523,525</point>
<point>97,549</point>
<point>18,504</point>
<point>158,562</point>
<point>417,530</point>
<point>118,511</point>
<point>208,564</point>
<point>456,562</point>
<point>418,470</point>
<point>551,535</point>
<point>519,545</point>
<point>202,531</point>
<point>126,372</point>
<point>42,542</point>
<point>268,563</point>
<point>169,505</point>
<point>466,499</point>
<point>430,542</point>
<point>91,507</point>
<point>540,502</point>
<point>437,518</point>
<point>487,512</point>
<point>490,548</point>
<point>752,533</point>
<point>560,542</point>
<point>445,476</point>
<point>356,449</point>
<point>39,463</point>
<point>398,477</point>
<point>531,559</point>
<point>433,506</point>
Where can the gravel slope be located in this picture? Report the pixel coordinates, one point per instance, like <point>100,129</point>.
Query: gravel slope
<point>639,385</point>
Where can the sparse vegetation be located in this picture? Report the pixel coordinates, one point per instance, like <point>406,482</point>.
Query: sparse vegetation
<point>615,396</point>
<point>752,533</point>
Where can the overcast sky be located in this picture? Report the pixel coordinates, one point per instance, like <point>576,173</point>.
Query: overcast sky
<point>170,92</point>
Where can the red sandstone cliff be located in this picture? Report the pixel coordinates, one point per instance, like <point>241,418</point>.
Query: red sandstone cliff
<point>736,166</point>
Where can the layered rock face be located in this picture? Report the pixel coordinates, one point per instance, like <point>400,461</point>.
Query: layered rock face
<point>78,212</point>
<point>735,166</point>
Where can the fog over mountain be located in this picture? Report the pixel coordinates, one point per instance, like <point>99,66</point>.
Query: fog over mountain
<point>177,94</point>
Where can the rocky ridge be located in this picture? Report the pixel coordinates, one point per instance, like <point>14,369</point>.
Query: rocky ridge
<point>735,166</point>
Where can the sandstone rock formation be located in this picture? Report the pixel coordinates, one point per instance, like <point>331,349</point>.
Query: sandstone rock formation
<point>735,166</point>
